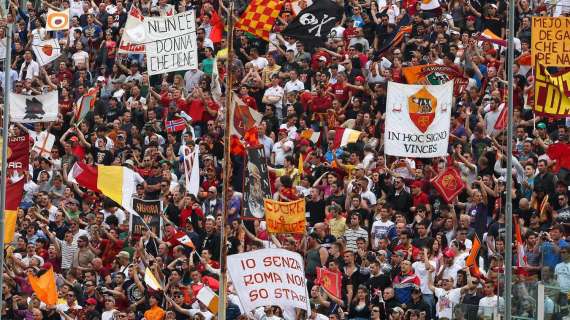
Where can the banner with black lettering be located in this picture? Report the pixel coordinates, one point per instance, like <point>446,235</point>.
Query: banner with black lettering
<point>269,277</point>
<point>149,211</point>
<point>417,120</point>
<point>256,180</point>
<point>171,43</point>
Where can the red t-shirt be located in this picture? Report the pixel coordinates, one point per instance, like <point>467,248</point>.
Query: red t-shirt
<point>321,104</point>
<point>196,110</point>
<point>422,198</point>
<point>340,91</point>
<point>249,101</point>
<point>559,152</point>
<point>110,250</point>
<point>206,115</point>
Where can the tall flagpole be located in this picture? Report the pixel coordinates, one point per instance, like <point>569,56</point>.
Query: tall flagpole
<point>5,125</point>
<point>509,197</point>
<point>227,171</point>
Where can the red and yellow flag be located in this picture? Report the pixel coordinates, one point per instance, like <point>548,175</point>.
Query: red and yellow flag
<point>44,287</point>
<point>14,194</point>
<point>259,17</point>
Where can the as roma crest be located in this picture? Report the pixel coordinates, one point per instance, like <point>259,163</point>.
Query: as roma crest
<point>243,120</point>
<point>449,182</point>
<point>422,106</point>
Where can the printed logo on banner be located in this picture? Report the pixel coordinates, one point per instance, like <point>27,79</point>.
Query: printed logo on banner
<point>417,120</point>
<point>422,107</point>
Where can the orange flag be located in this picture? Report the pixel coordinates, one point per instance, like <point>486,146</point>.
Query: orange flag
<point>44,287</point>
<point>473,253</point>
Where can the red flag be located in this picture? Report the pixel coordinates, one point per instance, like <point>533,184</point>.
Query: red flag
<point>448,184</point>
<point>84,175</point>
<point>78,151</point>
<point>501,123</point>
<point>236,147</point>
<point>217,27</point>
<point>251,137</point>
<point>330,281</point>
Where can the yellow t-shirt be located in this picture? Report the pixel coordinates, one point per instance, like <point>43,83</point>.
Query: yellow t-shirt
<point>293,174</point>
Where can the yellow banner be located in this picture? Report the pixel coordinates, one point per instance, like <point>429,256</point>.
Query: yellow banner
<point>285,217</point>
<point>551,93</point>
<point>551,41</point>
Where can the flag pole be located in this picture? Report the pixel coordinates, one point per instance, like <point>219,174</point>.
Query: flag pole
<point>226,170</point>
<point>5,125</point>
<point>509,196</point>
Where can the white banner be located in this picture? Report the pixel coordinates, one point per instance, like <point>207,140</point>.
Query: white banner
<point>27,109</point>
<point>269,277</point>
<point>417,120</point>
<point>134,20</point>
<point>170,42</point>
<point>46,51</point>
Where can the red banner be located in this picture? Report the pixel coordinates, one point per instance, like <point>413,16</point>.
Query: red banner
<point>18,154</point>
<point>330,281</point>
<point>448,184</point>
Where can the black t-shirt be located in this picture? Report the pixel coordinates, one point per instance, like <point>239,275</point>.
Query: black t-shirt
<point>153,194</point>
<point>316,210</point>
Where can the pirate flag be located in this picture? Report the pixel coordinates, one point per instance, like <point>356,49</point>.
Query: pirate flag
<point>313,24</point>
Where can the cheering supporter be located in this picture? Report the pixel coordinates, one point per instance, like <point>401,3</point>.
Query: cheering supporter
<point>384,236</point>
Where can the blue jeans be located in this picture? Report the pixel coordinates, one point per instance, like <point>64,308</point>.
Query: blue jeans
<point>430,300</point>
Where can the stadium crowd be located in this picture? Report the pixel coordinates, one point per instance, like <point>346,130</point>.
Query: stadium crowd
<point>399,247</point>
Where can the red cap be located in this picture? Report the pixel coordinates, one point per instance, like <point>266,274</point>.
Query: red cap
<point>91,301</point>
<point>359,78</point>
<point>449,253</point>
<point>472,18</point>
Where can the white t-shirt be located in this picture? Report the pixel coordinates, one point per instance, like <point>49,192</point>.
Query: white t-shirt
<point>562,272</point>
<point>452,271</point>
<point>421,271</point>
<point>445,302</point>
<point>80,57</point>
<point>379,230</point>
<point>296,85</point>
<point>488,306</point>
<point>280,153</point>
<point>278,92</point>
<point>260,62</point>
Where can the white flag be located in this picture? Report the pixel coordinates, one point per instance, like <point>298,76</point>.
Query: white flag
<point>134,20</point>
<point>28,109</point>
<point>44,144</point>
<point>46,51</point>
<point>417,120</point>
<point>192,169</point>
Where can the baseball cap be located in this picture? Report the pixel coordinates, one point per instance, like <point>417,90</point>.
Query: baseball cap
<point>449,253</point>
<point>471,18</point>
<point>91,301</point>
<point>324,59</point>
<point>416,184</point>
<point>359,78</point>
<point>541,125</point>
